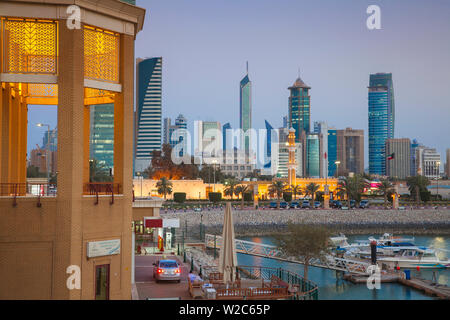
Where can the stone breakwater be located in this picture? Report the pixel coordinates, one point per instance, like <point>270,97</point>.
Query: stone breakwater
<point>266,222</point>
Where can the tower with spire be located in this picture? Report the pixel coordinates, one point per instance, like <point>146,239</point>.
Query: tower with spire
<point>245,112</point>
<point>299,108</point>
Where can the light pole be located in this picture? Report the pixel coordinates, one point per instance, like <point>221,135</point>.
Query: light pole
<point>214,170</point>
<point>337,163</point>
<point>46,148</point>
<point>438,164</point>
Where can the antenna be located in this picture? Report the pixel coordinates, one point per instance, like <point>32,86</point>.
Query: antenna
<point>247,67</point>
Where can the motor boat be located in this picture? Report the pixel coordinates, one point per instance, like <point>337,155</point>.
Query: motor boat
<point>412,257</point>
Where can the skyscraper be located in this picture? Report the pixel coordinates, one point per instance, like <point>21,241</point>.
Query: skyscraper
<point>413,165</point>
<point>299,108</point>
<point>398,162</point>
<point>176,134</point>
<point>148,111</point>
<point>312,155</point>
<point>447,163</point>
<point>225,127</point>
<point>350,151</point>
<point>245,111</point>
<point>381,119</point>
<point>332,151</point>
<point>268,148</point>
<point>102,134</point>
<point>321,128</point>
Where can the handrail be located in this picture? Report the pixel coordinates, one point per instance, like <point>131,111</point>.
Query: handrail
<point>27,189</point>
<point>98,188</point>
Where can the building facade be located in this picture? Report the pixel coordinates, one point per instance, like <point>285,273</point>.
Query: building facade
<point>299,108</point>
<point>176,135</point>
<point>398,161</point>
<point>381,119</point>
<point>350,151</point>
<point>102,135</point>
<point>313,155</point>
<point>332,151</point>
<point>245,112</point>
<point>148,120</point>
<point>447,163</point>
<point>208,139</point>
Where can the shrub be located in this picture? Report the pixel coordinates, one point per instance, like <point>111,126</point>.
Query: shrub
<point>425,195</point>
<point>179,197</point>
<point>287,196</point>
<point>215,196</point>
<point>248,196</point>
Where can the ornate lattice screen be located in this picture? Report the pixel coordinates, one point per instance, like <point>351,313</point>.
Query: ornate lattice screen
<point>101,55</point>
<point>30,46</point>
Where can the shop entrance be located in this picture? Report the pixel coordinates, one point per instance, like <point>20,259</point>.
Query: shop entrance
<point>102,282</point>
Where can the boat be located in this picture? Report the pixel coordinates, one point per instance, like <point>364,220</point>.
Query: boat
<point>413,257</point>
<point>339,241</point>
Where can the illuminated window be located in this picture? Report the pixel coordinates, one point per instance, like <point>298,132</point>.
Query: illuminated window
<point>30,46</point>
<point>101,55</point>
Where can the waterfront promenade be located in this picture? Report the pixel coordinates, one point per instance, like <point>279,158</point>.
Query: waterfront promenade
<point>267,221</point>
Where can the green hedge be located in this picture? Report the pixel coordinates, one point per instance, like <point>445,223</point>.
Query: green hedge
<point>215,196</point>
<point>179,197</point>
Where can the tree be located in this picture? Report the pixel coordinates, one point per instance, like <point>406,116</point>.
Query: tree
<point>98,172</point>
<point>386,188</point>
<point>416,185</point>
<point>353,187</point>
<point>296,190</point>
<point>277,188</point>
<point>230,187</point>
<point>240,190</point>
<point>304,242</point>
<point>311,189</point>
<point>164,187</point>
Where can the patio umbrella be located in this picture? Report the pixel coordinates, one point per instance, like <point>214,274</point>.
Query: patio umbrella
<point>227,257</point>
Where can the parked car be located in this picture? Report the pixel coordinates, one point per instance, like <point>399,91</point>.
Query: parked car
<point>336,204</point>
<point>166,270</point>
<point>197,209</point>
<point>364,204</point>
<point>317,204</point>
<point>273,205</point>
<point>295,204</point>
<point>352,203</point>
<point>306,204</point>
<point>283,204</point>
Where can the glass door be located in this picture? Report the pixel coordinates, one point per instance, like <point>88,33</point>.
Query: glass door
<point>102,282</point>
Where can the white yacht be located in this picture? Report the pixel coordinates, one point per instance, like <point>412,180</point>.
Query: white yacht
<point>412,257</point>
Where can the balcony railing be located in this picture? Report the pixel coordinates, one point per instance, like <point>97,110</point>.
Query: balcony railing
<point>102,188</point>
<point>37,190</point>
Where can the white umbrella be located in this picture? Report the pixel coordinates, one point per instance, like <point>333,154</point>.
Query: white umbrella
<point>227,257</point>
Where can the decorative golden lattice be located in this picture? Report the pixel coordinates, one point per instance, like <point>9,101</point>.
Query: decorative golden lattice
<point>30,46</point>
<point>42,90</point>
<point>101,55</point>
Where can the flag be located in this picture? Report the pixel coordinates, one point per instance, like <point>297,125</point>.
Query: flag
<point>391,156</point>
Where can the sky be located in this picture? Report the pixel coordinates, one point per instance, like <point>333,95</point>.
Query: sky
<point>205,46</point>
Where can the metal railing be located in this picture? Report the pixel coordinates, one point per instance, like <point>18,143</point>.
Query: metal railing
<point>102,188</point>
<point>37,190</point>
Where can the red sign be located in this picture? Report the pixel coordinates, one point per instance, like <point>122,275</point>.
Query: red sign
<point>153,223</point>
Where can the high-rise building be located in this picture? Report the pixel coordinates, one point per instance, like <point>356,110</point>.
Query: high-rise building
<point>332,151</point>
<point>226,126</point>
<point>350,151</point>
<point>447,163</point>
<point>381,119</point>
<point>245,112</point>
<point>321,128</point>
<point>299,108</point>
<point>285,122</point>
<point>176,134</point>
<point>268,146</point>
<point>148,111</point>
<point>428,161</point>
<point>414,146</point>
<point>398,161</point>
<point>208,138</point>
<point>313,155</point>
<point>102,135</point>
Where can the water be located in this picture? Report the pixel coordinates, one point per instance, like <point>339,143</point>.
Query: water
<point>332,287</point>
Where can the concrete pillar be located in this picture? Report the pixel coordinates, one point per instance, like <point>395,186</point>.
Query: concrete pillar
<point>68,237</point>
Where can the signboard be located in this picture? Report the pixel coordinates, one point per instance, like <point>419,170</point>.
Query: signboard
<point>171,223</point>
<point>156,222</point>
<point>103,248</point>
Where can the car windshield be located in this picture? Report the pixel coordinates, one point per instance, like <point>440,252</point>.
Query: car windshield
<point>168,264</point>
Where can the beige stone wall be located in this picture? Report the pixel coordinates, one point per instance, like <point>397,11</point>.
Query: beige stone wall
<point>195,189</point>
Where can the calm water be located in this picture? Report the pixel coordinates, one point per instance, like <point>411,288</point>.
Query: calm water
<point>332,287</point>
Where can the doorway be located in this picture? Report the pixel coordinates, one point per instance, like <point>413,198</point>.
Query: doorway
<point>102,282</point>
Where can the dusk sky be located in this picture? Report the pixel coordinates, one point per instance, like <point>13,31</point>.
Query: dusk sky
<point>205,46</point>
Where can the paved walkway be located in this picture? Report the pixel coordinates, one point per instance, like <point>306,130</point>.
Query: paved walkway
<point>148,288</point>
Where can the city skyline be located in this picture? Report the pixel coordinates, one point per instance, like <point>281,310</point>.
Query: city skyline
<point>338,81</point>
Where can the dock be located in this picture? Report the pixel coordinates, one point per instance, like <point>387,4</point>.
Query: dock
<point>426,286</point>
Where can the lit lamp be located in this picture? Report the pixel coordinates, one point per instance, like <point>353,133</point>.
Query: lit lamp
<point>214,169</point>
<point>337,163</point>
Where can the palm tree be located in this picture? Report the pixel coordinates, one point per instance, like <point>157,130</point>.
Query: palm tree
<point>353,187</point>
<point>230,188</point>
<point>416,185</point>
<point>277,188</point>
<point>164,187</point>
<point>311,189</point>
<point>385,186</point>
<point>240,190</point>
<point>296,190</point>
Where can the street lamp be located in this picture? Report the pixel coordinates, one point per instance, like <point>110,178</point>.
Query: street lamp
<point>337,163</point>
<point>214,169</point>
<point>438,164</point>
<point>46,147</point>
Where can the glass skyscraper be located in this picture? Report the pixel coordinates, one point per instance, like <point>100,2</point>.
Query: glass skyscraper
<point>332,151</point>
<point>102,134</point>
<point>299,108</point>
<point>148,111</point>
<point>245,111</point>
<point>268,149</point>
<point>225,127</point>
<point>312,155</point>
<point>381,119</point>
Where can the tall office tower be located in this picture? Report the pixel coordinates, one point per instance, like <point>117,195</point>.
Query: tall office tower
<point>270,140</point>
<point>285,122</point>
<point>280,159</point>
<point>181,122</point>
<point>447,163</point>
<point>176,134</point>
<point>167,124</point>
<point>226,144</point>
<point>430,163</point>
<point>350,151</point>
<point>299,108</point>
<point>102,135</point>
<point>245,112</point>
<point>52,137</point>
<point>398,161</point>
<point>332,151</point>
<point>148,111</point>
<point>381,119</point>
<point>313,155</point>
<point>208,138</point>
<point>413,165</point>
<point>321,128</point>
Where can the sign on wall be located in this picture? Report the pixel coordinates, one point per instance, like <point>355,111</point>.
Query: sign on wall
<point>103,248</point>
